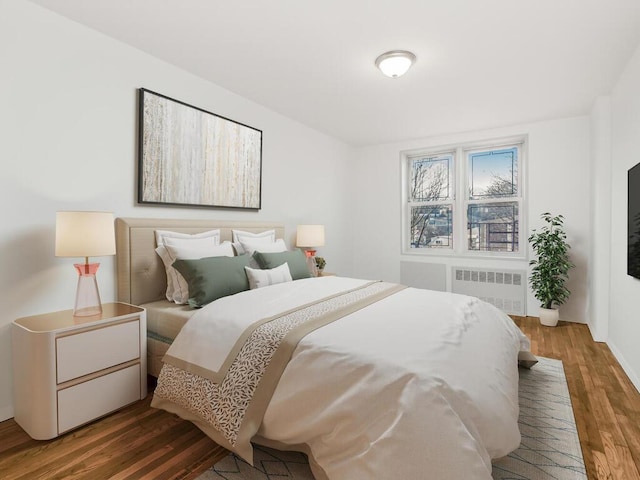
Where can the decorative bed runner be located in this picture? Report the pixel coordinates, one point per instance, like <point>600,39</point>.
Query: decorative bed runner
<point>229,405</point>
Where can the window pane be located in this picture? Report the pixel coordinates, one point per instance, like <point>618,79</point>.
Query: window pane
<point>430,178</point>
<point>493,227</point>
<point>493,174</point>
<point>431,227</point>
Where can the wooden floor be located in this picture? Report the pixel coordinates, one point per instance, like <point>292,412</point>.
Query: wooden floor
<point>606,405</point>
<point>140,442</point>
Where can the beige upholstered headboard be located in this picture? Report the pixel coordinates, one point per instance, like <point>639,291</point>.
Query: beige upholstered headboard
<point>141,274</point>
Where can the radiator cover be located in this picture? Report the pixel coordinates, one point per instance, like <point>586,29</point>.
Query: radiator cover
<point>505,289</point>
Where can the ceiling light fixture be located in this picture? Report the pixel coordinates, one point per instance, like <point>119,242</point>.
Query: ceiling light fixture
<point>395,63</point>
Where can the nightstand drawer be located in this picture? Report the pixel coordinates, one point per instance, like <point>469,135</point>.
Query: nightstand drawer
<point>94,350</point>
<point>89,400</point>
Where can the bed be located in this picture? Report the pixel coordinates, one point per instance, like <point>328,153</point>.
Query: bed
<point>141,277</point>
<point>370,379</point>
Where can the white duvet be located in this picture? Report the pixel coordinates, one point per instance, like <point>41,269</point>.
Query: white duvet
<point>420,385</point>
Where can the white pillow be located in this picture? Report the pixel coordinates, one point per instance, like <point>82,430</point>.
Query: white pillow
<point>251,246</point>
<point>187,250</point>
<point>263,278</point>
<point>162,234</point>
<point>174,287</point>
<point>268,236</point>
<point>193,243</point>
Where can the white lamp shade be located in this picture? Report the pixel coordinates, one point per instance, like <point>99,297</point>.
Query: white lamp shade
<point>85,234</point>
<point>310,236</point>
<point>394,64</point>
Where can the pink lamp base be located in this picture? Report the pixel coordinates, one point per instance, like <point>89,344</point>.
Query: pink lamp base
<point>311,262</point>
<point>87,295</point>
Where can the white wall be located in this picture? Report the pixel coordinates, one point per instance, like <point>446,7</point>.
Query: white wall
<point>68,121</point>
<point>600,254</point>
<point>557,181</point>
<point>624,319</point>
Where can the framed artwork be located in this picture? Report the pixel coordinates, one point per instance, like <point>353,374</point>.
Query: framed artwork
<point>190,157</point>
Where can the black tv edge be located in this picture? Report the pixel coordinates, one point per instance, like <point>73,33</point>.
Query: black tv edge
<point>633,223</point>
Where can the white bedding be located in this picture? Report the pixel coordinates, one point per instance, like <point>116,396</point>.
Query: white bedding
<point>419,385</point>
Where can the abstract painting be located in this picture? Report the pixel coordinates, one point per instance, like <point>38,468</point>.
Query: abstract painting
<point>191,157</point>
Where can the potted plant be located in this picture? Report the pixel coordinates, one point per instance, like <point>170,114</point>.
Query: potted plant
<point>320,264</point>
<point>550,268</point>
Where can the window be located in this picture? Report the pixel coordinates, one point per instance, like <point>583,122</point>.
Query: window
<point>431,201</point>
<point>464,200</point>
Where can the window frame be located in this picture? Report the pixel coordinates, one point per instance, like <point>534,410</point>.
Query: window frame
<point>461,197</point>
<point>425,203</point>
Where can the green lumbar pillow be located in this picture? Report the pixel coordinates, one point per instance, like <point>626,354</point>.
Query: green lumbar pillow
<point>295,258</point>
<point>211,278</point>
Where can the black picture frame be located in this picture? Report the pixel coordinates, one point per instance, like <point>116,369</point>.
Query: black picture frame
<point>191,157</point>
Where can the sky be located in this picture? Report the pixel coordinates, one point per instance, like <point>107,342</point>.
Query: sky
<point>484,165</point>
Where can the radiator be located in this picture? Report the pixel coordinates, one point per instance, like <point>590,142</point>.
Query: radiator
<point>505,289</point>
<point>431,276</point>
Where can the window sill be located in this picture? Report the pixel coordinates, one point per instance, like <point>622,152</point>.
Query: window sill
<point>464,256</point>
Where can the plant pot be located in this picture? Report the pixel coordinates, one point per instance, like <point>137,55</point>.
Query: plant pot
<point>549,316</point>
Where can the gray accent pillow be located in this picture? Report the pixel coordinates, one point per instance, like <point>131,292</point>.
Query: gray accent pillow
<point>295,258</point>
<point>211,278</point>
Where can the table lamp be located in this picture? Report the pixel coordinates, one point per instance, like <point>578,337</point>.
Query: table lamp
<point>310,237</point>
<point>85,234</point>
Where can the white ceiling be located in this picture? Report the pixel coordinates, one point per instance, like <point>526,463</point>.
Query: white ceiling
<point>481,63</point>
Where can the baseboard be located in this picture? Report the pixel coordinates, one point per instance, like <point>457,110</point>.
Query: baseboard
<point>6,413</point>
<point>596,334</point>
<point>625,366</point>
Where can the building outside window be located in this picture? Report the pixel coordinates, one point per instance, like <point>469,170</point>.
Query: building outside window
<point>466,199</point>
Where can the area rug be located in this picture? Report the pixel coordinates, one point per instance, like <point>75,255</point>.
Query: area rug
<point>550,449</point>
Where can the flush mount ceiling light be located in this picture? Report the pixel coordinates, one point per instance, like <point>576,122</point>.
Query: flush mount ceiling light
<point>395,63</point>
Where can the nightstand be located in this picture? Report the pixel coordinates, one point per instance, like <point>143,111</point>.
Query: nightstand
<point>68,371</point>
<point>327,274</point>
